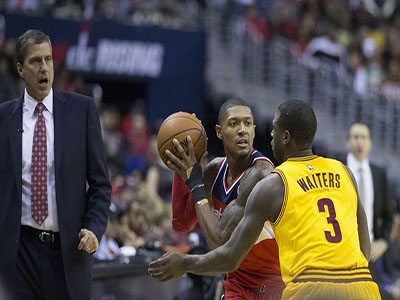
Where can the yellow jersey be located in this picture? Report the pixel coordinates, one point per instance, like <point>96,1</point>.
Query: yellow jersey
<point>317,229</point>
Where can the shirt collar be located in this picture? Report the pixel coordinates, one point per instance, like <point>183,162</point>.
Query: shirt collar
<point>354,164</point>
<point>30,103</point>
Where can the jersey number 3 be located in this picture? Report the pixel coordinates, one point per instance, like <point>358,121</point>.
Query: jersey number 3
<point>337,237</point>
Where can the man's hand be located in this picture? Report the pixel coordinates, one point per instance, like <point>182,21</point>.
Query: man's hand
<point>184,164</point>
<point>87,241</point>
<point>378,247</point>
<point>167,267</point>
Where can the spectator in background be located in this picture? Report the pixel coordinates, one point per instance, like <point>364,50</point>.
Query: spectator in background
<point>137,218</point>
<point>108,247</point>
<point>8,85</point>
<point>135,128</point>
<point>374,194</point>
<point>138,134</point>
<point>68,9</point>
<point>137,137</point>
<point>97,94</point>
<point>380,9</point>
<point>256,25</point>
<point>305,33</point>
<point>343,16</point>
<point>158,185</point>
<point>126,194</point>
<point>390,86</point>
<point>80,85</point>
<point>112,137</point>
<point>63,81</point>
<point>106,9</point>
<point>391,51</point>
<point>369,75</point>
<point>116,173</point>
<point>283,22</point>
<point>9,51</point>
<point>167,15</point>
<point>126,235</point>
<point>136,13</point>
<point>354,61</point>
<point>159,176</point>
<point>28,6</point>
<point>325,49</point>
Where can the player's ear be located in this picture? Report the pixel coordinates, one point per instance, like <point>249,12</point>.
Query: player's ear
<point>286,137</point>
<point>218,131</point>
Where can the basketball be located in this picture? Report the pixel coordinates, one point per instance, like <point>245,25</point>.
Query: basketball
<point>178,126</point>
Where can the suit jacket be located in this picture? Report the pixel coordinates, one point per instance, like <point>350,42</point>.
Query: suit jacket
<point>383,203</point>
<point>79,157</point>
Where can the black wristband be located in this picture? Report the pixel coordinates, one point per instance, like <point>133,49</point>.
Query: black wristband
<point>199,193</point>
<point>196,176</point>
<point>197,186</point>
<point>195,183</point>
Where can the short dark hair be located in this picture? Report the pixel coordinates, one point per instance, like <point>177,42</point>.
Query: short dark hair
<point>360,124</point>
<point>29,37</point>
<point>299,119</point>
<point>231,102</point>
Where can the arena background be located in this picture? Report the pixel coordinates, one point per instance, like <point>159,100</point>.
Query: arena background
<point>143,60</point>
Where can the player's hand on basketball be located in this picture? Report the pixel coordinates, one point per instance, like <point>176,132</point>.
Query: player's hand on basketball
<point>204,160</point>
<point>183,164</point>
<point>167,267</point>
<point>87,241</point>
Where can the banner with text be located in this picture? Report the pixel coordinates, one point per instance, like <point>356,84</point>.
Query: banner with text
<point>171,61</point>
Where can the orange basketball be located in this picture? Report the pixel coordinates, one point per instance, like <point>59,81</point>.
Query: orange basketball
<point>178,126</point>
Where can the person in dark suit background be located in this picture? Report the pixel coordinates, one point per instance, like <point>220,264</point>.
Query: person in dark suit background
<point>54,186</point>
<point>374,194</point>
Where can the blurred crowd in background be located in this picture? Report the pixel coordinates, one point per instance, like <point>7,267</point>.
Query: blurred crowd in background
<point>360,37</point>
<point>167,13</point>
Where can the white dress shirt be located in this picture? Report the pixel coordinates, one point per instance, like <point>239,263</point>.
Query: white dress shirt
<point>368,201</point>
<point>28,125</point>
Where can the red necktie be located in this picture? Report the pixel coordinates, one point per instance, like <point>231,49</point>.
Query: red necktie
<point>39,168</point>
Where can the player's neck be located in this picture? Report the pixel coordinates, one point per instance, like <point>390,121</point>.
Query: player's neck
<point>299,153</point>
<point>237,164</point>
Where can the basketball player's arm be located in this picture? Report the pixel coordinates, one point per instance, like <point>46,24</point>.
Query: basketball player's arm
<point>206,216</point>
<point>183,207</point>
<point>186,212</point>
<point>265,201</point>
<point>217,232</point>
<point>363,233</point>
<point>220,232</point>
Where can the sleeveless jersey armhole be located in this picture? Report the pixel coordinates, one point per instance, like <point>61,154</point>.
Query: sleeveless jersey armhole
<point>349,178</point>
<point>285,197</point>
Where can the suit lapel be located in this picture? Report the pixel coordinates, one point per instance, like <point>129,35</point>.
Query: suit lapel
<point>15,138</point>
<point>61,112</point>
<point>375,181</point>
